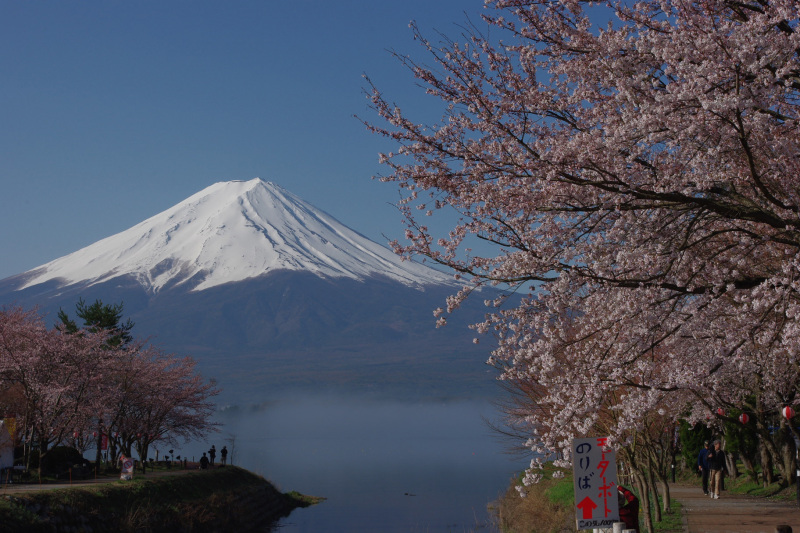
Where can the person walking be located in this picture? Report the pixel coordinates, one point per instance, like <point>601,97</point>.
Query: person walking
<point>717,467</point>
<point>223,455</point>
<point>702,465</point>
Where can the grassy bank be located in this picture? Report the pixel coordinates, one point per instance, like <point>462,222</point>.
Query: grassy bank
<point>216,500</point>
<point>549,507</point>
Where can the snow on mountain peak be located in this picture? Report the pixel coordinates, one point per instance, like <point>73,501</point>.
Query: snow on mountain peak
<point>232,231</point>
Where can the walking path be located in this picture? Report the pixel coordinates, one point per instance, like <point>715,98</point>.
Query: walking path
<point>733,513</point>
<point>18,488</point>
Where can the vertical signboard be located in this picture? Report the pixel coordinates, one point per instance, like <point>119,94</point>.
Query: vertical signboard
<point>595,478</point>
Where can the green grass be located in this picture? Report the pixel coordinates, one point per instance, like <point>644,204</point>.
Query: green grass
<point>562,492</point>
<point>670,521</point>
<point>774,491</point>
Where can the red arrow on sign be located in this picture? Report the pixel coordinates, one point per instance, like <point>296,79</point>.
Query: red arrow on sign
<point>587,505</point>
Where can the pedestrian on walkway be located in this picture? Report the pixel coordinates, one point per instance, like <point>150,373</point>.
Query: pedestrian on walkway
<point>717,466</point>
<point>702,465</point>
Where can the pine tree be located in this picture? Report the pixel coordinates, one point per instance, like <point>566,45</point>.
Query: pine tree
<point>99,316</point>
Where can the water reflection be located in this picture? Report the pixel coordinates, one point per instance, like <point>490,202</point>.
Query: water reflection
<point>383,465</point>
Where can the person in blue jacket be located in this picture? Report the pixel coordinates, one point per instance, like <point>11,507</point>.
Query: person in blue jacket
<point>702,465</point>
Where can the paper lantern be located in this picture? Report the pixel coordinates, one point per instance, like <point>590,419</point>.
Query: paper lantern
<point>744,418</point>
<point>721,411</point>
<point>787,412</point>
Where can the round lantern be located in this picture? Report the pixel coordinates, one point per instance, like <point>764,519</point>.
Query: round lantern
<point>787,412</point>
<point>744,418</point>
<point>721,411</point>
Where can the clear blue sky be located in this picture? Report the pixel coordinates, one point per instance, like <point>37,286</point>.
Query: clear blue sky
<point>112,111</point>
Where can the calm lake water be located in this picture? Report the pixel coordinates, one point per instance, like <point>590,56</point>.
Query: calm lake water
<point>383,465</point>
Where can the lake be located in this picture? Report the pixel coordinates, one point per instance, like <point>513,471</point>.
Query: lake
<point>383,465</point>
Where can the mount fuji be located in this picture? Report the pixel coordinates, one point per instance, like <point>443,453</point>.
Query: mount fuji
<point>230,232</point>
<point>266,291</point>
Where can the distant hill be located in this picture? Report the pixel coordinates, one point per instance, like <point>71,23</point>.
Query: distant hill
<point>269,293</point>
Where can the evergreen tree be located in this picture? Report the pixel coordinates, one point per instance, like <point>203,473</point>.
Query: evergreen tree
<point>99,316</point>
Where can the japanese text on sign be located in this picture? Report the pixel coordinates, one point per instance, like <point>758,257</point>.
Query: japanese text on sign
<point>595,472</point>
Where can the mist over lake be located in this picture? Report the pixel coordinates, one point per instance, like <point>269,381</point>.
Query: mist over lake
<point>383,464</point>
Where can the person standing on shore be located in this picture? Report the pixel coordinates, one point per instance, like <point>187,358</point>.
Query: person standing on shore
<point>716,464</point>
<point>702,465</point>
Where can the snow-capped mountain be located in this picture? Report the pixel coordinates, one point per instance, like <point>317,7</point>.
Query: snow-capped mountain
<point>230,232</point>
<point>267,292</point>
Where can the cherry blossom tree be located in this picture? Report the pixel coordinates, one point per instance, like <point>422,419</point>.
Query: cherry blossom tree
<point>57,373</point>
<point>162,398</point>
<point>632,168</point>
<point>68,383</point>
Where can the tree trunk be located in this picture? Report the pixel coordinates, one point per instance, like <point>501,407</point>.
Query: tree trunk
<point>660,473</point>
<point>776,459</point>
<point>730,464</point>
<point>787,453</point>
<point>665,496</point>
<point>43,445</point>
<point>654,489</point>
<point>644,494</point>
<point>99,455</point>
<point>766,464</point>
<point>749,467</point>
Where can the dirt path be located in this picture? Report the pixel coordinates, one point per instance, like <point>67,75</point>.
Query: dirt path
<point>18,488</point>
<point>732,513</point>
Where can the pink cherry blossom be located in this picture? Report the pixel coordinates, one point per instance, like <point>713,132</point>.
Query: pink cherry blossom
<point>633,171</point>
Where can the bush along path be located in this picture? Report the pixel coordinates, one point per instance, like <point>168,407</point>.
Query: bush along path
<point>224,499</point>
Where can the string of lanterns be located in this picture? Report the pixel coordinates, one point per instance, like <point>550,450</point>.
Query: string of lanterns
<point>787,412</point>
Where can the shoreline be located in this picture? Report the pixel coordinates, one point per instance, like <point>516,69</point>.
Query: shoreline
<point>225,498</point>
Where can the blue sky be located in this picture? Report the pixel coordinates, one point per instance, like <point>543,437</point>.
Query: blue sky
<point>112,111</point>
